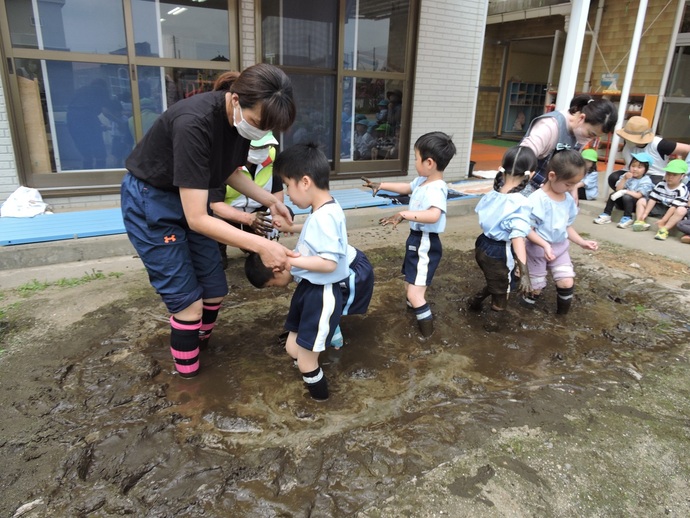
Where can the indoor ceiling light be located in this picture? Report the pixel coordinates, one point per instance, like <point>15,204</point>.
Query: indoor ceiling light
<point>177,10</point>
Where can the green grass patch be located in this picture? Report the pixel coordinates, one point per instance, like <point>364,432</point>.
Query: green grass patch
<point>35,286</point>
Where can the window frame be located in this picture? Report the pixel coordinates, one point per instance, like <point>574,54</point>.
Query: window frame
<point>105,181</point>
<point>350,169</point>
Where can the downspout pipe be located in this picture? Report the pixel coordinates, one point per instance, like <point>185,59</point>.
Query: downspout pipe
<point>572,53</point>
<point>625,92</point>
<point>587,85</point>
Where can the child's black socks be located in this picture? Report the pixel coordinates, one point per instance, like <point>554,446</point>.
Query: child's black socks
<point>425,320</point>
<point>316,383</point>
<point>564,298</point>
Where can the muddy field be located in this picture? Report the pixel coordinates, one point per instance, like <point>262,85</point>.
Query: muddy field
<point>522,414</point>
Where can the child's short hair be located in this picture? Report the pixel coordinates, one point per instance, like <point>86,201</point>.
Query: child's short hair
<point>438,146</point>
<point>258,274</point>
<point>567,164</point>
<point>304,160</point>
<point>517,161</point>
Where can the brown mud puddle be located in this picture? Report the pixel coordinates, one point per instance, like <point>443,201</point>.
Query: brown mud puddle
<point>96,424</point>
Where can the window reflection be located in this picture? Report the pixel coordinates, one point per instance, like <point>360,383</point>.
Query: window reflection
<point>673,122</point>
<point>315,109</point>
<point>161,87</point>
<point>88,107</point>
<point>75,114</point>
<point>371,120</point>
<point>299,33</point>
<point>375,35</point>
<point>184,30</point>
<point>80,116</point>
<point>679,78</point>
<point>72,25</point>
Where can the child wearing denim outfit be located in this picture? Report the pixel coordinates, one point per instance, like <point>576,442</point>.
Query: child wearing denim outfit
<point>427,216</point>
<point>504,215</point>
<point>630,187</point>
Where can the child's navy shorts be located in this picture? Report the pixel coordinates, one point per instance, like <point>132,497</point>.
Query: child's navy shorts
<point>314,314</point>
<point>422,255</point>
<point>183,266</point>
<point>359,286</point>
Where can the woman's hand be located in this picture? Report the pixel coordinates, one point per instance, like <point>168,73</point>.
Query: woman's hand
<point>279,209</point>
<point>275,256</point>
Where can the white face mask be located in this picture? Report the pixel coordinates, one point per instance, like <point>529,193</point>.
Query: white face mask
<point>258,156</point>
<point>247,130</point>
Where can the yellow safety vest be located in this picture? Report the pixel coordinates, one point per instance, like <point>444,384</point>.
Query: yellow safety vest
<point>263,178</point>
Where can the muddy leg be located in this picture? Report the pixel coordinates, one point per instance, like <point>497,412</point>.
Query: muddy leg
<point>475,303</point>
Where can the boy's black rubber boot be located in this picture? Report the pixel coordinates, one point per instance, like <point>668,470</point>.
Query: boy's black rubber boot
<point>426,327</point>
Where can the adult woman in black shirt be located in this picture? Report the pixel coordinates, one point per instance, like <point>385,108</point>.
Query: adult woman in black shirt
<point>198,144</point>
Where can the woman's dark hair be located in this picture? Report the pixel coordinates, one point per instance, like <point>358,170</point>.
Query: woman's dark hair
<point>437,146</point>
<point>517,161</point>
<point>567,164</point>
<point>266,85</point>
<point>597,111</point>
<point>304,160</point>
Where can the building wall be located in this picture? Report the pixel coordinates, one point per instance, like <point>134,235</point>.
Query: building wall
<point>249,53</point>
<point>8,165</point>
<point>495,44</point>
<point>449,55</point>
<point>615,38</point>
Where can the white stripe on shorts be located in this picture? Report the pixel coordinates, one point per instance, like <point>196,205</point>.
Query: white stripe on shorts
<point>423,263</point>
<point>327,309</point>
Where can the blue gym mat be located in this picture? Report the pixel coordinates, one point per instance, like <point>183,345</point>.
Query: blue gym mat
<point>105,222</point>
<point>348,199</point>
<point>64,225</point>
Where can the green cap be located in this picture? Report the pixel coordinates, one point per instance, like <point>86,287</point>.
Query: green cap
<point>590,154</point>
<point>677,166</point>
<point>266,140</point>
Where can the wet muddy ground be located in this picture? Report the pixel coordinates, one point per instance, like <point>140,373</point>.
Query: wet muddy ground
<point>494,415</point>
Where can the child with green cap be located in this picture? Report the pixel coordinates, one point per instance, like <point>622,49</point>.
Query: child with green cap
<point>588,188</point>
<point>668,201</point>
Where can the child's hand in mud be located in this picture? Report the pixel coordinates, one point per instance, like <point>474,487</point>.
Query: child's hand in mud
<point>374,186</point>
<point>392,220</point>
<point>525,286</point>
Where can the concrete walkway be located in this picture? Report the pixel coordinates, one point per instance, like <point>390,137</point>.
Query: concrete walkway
<point>49,262</point>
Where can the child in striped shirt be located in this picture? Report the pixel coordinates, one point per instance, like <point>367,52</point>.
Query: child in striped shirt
<point>668,201</point>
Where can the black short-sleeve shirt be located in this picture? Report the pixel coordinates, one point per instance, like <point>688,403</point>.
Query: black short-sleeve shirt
<point>192,145</point>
